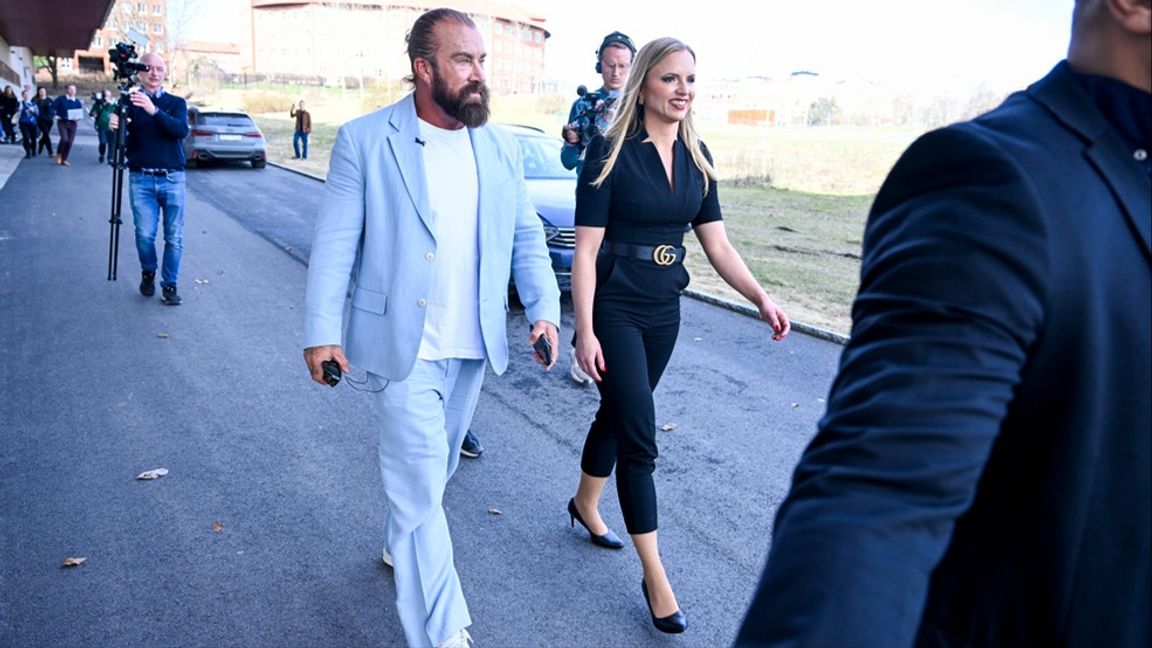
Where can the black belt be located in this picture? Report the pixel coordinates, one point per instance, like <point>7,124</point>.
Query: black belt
<point>154,172</point>
<point>662,255</point>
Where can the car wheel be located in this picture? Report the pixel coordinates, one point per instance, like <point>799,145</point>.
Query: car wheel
<point>259,164</point>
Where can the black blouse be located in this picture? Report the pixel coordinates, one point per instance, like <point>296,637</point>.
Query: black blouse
<point>635,203</point>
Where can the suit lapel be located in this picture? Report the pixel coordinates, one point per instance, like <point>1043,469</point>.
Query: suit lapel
<point>1061,93</point>
<point>481,150</point>
<point>410,159</point>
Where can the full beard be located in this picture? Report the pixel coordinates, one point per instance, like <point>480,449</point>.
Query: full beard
<point>460,106</point>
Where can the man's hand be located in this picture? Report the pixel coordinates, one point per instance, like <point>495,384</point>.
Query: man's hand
<point>315,356</point>
<point>113,121</point>
<point>142,100</point>
<point>571,136</point>
<point>548,330</point>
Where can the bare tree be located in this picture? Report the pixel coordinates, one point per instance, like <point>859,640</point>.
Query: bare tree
<point>50,63</point>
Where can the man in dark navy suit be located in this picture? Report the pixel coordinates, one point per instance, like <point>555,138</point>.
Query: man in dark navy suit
<point>982,475</point>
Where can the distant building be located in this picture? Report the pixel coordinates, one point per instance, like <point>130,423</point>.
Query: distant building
<point>148,17</point>
<point>329,41</point>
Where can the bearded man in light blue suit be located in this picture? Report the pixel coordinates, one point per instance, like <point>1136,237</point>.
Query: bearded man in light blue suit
<point>427,210</point>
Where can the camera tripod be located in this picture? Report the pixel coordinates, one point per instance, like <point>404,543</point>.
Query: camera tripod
<point>119,163</point>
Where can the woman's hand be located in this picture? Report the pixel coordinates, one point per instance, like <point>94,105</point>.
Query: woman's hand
<point>589,356</point>
<point>771,313</point>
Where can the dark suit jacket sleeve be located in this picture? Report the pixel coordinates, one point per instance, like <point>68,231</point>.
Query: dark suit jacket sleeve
<point>951,297</point>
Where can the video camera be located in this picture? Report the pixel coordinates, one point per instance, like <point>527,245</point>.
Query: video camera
<point>599,107</point>
<point>123,60</point>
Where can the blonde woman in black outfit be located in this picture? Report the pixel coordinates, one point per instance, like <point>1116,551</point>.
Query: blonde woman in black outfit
<point>642,184</point>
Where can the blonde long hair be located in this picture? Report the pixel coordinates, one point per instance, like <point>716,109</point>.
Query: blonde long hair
<point>630,113</point>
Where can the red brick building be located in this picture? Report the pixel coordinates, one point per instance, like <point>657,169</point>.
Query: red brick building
<point>326,40</point>
<point>148,17</point>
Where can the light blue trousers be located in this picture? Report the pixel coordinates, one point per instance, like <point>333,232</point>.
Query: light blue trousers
<point>423,421</point>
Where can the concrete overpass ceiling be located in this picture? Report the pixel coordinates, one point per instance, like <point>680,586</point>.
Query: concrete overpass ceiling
<point>52,27</point>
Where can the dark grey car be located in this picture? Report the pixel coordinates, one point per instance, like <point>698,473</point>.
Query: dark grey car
<point>218,135</point>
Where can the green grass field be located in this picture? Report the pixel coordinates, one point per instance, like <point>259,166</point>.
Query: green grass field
<point>794,199</point>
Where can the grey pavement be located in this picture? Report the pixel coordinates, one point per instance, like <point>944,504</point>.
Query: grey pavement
<point>266,531</point>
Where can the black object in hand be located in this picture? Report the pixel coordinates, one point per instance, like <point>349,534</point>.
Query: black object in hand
<point>543,348</point>
<point>331,372</point>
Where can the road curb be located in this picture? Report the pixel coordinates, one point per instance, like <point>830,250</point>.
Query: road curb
<point>743,309</point>
<point>296,171</point>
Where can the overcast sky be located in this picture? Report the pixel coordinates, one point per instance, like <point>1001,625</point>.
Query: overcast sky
<point>912,43</point>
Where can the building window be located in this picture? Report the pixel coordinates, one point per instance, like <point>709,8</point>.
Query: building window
<point>155,10</point>
<point>111,24</point>
<point>538,37</point>
<point>141,7</point>
<point>156,28</point>
<point>97,42</point>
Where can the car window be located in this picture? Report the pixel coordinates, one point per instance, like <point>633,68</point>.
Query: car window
<point>224,119</point>
<point>542,158</point>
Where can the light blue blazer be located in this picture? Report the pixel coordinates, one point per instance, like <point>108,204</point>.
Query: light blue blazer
<point>376,229</point>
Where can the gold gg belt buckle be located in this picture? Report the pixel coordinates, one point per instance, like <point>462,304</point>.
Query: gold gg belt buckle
<point>664,255</point>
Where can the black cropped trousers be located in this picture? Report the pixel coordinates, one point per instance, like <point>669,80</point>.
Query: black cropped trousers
<point>637,339</point>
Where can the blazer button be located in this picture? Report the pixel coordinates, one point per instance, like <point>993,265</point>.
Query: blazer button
<point>429,256</point>
<point>422,302</point>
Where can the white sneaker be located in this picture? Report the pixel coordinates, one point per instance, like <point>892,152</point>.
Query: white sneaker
<point>459,639</point>
<point>575,371</point>
<point>386,558</point>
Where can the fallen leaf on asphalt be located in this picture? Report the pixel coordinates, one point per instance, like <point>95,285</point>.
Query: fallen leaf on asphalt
<point>72,561</point>
<point>795,404</point>
<point>217,526</point>
<point>697,339</point>
<point>667,427</point>
<point>162,335</point>
<point>153,474</point>
<point>495,511</point>
<point>201,281</point>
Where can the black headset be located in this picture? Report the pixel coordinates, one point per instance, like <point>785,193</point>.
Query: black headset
<point>615,38</point>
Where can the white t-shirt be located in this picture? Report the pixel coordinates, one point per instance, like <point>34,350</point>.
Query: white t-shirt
<point>452,323</point>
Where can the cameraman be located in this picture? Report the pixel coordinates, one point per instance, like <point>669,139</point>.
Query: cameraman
<point>590,115</point>
<point>157,126</point>
<point>101,112</point>
<point>591,112</point>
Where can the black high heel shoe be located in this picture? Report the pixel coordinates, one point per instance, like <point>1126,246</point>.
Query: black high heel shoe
<point>674,623</point>
<point>609,540</point>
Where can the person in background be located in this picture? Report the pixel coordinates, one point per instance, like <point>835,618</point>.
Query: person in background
<point>154,148</point>
<point>643,183</point>
<point>983,474</point>
<point>44,121</point>
<point>101,111</point>
<point>590,115</point>
<point>9,106</point>
<point>29,113</point>
<point>302,130</point>
<point>67,110</point>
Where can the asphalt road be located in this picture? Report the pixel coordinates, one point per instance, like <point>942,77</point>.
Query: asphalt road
<point>266,530</point>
